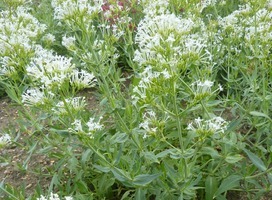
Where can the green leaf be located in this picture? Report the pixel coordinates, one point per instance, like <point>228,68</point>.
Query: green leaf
<point>210,151</point>
<point>86,156</point>
<point>102,168</point>
<point>256,160</point>
<point>119,138</point>
<point>126,195</point>
<point>165,153</point>
<point>140,194</point>
<point>269,176</point>
<point>259,114</point>
<point>211,185</point>
<point>234,124</point>
<point>150,156</point>
<point>229,183</point>
<point>233,158</point>
<point>144,179</point>
<point>121,175</point>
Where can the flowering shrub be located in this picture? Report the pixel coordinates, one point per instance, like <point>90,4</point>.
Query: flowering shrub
<point>184,93</point>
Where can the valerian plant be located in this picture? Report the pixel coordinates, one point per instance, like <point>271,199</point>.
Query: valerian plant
<point>183,92</point>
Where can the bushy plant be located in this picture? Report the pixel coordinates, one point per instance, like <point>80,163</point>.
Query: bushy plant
<point>183,93</point>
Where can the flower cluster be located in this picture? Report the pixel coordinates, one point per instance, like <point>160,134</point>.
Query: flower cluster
<point>209,127</point>
<point>168,39</point>
<point>147,79</point>
<point>51,71</point>
<point>5,139</point>
<point>202,89</point>
<point>36,97</point>
<point>247,25</point>
<point>18,29</point>
<point>154,7</point>
<point>148,123</point>
<point>76,10</point>
<point>92,126</point>
<point>69,42</point>
<point>69,105</point>
<point>54,197</point>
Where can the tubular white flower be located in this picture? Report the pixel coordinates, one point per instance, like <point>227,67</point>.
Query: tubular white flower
<point>54,197</point>
<point>49,38</point>
<point>68,42</point>
<point>76,104</point>
<point>76,9</point>
<point>94,126</point>
<point>77,125</point>
<point>36,96</point>
<point>5,139</point>
<point>49,69</point>
<point>208,127</point>
<point>82,79</point>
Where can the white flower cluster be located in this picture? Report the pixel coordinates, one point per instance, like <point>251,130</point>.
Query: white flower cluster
<point>54,197</point>
<point>49,38</point>
<point>5,139</point>
<point>149,119</point>
<point>76,9</point>
<point>93,125</point>
<point>202,89</point>
<point>36,97</point>
<point>205,3</point>
<point>82,79</point>
<point>147,78</point>
<point>154,7</point>
<point>68,42</point>
<point>75,104</point>
<point>249,24</point>
<point>50,70</point>
<point>208,127</point>
<point>168,40</point>
<point>17,30</point>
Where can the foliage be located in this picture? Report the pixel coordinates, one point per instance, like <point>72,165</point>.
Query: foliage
<point>184,92</point>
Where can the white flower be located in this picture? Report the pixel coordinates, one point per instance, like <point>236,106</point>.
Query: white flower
<point>53,197</point>
<point>49,38</point>
<point>75,104</point>
<point>154,7</point>
<point>209,127</point>
<point>5,139</point>
<point>82,79</point>
<point>202,89</point>
<point>94,126</point>
<point>77,125</point>
<point>71,11</point>
<point>36,96</point>
<point>148,124</point>
<point>68,42</point>
<point>17,31</point>
<point>48,69</point>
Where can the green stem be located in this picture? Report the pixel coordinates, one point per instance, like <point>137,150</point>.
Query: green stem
<point>259,174</point>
